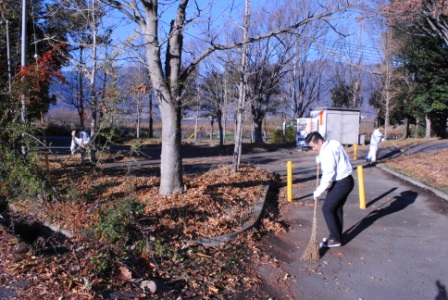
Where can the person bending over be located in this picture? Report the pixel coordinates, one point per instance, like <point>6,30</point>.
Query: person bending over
<point>337,180</point>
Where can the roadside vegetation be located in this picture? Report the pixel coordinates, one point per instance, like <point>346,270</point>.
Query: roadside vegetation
<point>124,240</point>
<point>428,168</point>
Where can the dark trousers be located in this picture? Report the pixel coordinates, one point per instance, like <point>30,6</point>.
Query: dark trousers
<point>333,206</point>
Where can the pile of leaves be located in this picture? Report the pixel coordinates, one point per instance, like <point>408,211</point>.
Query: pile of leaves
<point>430,169</point>
<point>125,241</point>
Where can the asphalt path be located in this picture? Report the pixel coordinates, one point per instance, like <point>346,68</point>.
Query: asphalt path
<point>394,249</point>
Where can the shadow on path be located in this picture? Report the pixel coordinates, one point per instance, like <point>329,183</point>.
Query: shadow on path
<point>399,203</point>
<point>381,197</point>
<point>441,291</point>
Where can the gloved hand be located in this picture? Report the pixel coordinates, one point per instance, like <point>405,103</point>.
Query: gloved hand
<point>317,194</point>
<point>382,139</point>
<point>318,159</point>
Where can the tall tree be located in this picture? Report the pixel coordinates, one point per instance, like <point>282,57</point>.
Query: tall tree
<point>24,88</point>
<point>424,57</point>
<point>39,49</point>
<point>432,16</point>
<point>168,75</point>
<point>88,36</point>
<point>345,95</point>
<point>263,87</point>
<point>215,92</point>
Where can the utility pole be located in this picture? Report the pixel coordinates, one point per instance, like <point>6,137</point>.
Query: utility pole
<point>8,51</point>
<point>23,60</point>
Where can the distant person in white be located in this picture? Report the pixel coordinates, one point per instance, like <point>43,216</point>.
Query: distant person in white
<point>375,139</point>
<point>81,142</point>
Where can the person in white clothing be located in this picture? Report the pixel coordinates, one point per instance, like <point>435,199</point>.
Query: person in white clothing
<point>337,180</point>
<point>80,143</point>
<point>375,139</point>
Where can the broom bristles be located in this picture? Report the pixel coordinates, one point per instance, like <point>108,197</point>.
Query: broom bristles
<point>311,252</point>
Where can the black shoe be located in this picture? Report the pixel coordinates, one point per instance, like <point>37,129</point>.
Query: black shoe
<point>330,243</point>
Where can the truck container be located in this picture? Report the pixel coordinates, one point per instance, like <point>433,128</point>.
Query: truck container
<point>341,124</point>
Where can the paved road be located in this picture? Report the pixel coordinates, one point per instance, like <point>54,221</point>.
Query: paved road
<point>395,249</point>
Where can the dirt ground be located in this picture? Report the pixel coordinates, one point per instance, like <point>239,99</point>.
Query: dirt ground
<point>124,241</point>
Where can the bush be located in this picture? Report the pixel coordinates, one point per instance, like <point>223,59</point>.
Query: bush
<point>58,130</point>
<point>20,172</point>
<point>117,221</point>
<point>278,137</point>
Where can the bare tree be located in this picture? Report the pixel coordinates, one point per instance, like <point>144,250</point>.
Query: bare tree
<point>87,35</point>
<point>216,92</point>
<point>168,75</point>
<point>242,89</point>
<point>427,16</point>
<point>138,92</point>
<point>266,72</point>
<point>306,80</point>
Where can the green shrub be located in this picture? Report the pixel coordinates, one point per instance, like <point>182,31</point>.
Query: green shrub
<point>277,136</point>
<point>101,264</point>
<point>21,174</point>
<point>117,221</point>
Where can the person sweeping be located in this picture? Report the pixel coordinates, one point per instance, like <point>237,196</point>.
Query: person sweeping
<point>337,180</point>
<point>81,144</point>
<point>375,139</point>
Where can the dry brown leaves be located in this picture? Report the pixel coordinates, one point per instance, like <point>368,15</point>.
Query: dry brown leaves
<point>429,168</point>
<point>214,203</point>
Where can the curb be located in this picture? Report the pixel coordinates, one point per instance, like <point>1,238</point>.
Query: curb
<point>254,215</point>
<point>437,192</point>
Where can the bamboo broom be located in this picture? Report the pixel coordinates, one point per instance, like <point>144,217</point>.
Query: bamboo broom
<point>311,252</point>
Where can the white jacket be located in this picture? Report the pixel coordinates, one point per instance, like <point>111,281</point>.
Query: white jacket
<point>335,165</point>
<point>82,141</point>
<point>376,137</point>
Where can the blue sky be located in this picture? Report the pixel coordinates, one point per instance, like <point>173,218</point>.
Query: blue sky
<point>361,41</point>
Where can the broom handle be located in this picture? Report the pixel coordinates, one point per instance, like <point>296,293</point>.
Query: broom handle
<point>317,185</point>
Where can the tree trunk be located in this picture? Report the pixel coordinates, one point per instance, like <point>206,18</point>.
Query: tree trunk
<point>258,131</point>
<point>138,118</point>
<point>171,159</point>
<point>220,128</point>
<point>168,88</point>
<point>242,93</point>
<point>428,126</point>
<point>406,128</point>
<point>211,128</point>
<point>94,99</point>
<point>81,109</point>
<point>224,111</point>
<point>417,126</point>
<point>151,118</point>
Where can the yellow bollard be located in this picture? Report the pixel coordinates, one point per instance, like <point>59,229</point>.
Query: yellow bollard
<point>289,180</point>
<point>355,151</point>
<point>362,192</point>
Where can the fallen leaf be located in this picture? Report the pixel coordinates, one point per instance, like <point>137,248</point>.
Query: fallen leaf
<point>124,274</point>
<point>148,286</point>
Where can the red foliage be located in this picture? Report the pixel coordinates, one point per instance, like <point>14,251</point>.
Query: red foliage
<point>409,9</point>
<point>34,79</point>
<point>46,67</point>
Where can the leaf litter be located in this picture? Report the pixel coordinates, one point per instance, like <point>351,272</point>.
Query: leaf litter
<point>155,261</point>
